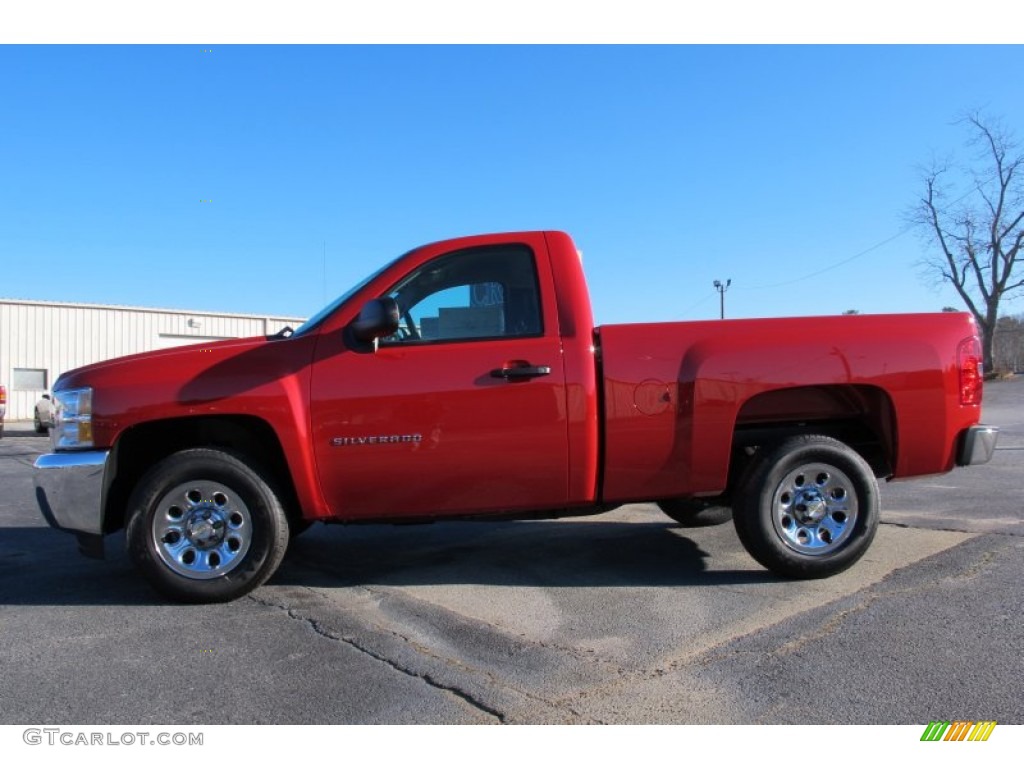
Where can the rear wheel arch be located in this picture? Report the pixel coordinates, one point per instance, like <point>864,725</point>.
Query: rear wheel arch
<point>860,416</point>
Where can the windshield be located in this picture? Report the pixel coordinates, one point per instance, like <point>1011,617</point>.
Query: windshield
<point>320,316</point>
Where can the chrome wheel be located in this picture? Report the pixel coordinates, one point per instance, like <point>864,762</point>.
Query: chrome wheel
<point>201,529</point>
<point>807,507</point>
<point>206,526</point>
<point>815,509</point>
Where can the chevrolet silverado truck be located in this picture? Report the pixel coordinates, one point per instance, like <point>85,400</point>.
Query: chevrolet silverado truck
<point>467,379</point>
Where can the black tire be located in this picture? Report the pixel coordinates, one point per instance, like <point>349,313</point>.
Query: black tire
<point>37,424</point>
<point>807,508</point>
<point>205,526</point>
<point>696,513</point>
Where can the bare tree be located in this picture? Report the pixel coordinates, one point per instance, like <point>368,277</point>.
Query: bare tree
<point>978,234</point>
<point>1008,347</point>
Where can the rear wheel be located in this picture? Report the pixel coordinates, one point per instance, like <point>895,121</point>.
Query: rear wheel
<point>696,513</point>
<point>807,508</point>
<point>204,527</point>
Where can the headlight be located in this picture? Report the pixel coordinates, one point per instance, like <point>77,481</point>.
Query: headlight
<point>72,420</point>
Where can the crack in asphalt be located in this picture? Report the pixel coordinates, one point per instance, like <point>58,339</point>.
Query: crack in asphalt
<point>498,682</point>
<point>561,703</point>
<point>584,655</point>
<point>918,527</point>
<point>427,678</point>
<point>588,656</point>
<point>973,571</point>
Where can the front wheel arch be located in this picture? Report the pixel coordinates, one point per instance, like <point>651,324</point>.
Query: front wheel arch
<point>144,445</point>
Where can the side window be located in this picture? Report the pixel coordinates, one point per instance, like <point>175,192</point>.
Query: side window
<point>477,294</point>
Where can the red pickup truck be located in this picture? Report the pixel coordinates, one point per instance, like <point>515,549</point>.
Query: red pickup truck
<point>467,378</point>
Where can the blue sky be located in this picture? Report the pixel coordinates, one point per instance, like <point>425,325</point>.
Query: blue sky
<point>268,179</point>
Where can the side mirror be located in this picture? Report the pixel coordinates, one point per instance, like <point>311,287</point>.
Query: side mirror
<point>377,318</point>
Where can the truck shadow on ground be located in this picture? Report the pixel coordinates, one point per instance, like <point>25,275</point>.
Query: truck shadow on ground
<point>520,554</point>
<point>39,566</point>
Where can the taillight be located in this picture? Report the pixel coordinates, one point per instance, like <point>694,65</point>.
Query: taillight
<point>968,358</point>
<point>3,395</point>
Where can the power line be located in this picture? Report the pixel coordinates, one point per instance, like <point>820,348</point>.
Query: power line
<point>829,268</point>
<point>838,264</point>
<point>856,256</point>
<point>692,307</point>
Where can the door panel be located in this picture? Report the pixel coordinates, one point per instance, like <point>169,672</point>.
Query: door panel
<point>429,423</point>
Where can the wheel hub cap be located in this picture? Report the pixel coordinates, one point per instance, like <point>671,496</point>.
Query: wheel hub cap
<point>810,507</point>
<point>205,529</point>
<point>814,509</point>
<point>201,529</point>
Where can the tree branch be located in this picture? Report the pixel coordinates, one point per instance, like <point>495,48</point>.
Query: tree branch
<point>1010,227</point>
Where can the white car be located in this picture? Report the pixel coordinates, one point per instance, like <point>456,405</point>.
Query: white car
<point>43,419</point>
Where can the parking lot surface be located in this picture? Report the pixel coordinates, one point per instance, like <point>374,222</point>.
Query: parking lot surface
<point>618,618</point>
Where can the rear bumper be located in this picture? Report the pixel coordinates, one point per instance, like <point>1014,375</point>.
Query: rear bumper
<point>70,490</point>
<point>977,444</point>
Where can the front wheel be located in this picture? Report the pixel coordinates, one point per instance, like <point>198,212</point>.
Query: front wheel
<point>205,527</point>
<point>807,508</point>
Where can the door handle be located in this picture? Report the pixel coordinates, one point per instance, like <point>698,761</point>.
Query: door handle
<point>521,372</point>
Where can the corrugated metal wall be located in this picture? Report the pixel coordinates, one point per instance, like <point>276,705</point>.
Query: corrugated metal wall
<point>55,337</point>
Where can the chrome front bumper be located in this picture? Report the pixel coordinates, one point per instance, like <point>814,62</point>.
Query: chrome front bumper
<point>70,490</point>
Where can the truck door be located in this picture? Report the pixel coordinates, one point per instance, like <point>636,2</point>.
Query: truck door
<point>463,409</point>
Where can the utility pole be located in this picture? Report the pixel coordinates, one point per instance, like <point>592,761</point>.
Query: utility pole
<point>722,288</point>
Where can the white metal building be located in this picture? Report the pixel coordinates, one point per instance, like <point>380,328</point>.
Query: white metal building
<point>39,340</point>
